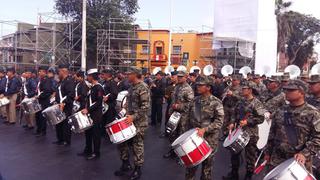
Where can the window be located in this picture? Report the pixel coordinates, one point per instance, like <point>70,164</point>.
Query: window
<point>176,50</point>
<point>185,55</point>
<point>159,50</point>
<point>145,49</point>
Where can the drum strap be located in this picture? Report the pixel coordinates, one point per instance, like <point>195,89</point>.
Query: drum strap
<point>76,90</point>
<point>197,113</point>
<point>90,99</point>
<point>7,84</point>
<point>38,88</point>
<point>129,100</point>
<point>290,128</point>
<point>25,91</point>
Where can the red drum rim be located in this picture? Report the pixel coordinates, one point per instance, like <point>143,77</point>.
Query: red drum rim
<point>116,121</point>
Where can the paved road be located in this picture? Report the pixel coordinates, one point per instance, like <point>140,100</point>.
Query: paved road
<point>24,156</point>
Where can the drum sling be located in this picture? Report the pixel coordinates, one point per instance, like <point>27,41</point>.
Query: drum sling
<point>290,128</point>
<point>197,113</point>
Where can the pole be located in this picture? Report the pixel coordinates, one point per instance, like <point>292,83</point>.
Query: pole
<point>84,36</point>
<point>170,34</point>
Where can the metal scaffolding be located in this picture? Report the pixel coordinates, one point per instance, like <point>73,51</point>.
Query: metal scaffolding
<point>50,42</point>
<point>117,46</point>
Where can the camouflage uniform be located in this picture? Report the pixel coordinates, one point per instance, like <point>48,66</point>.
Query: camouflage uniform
<point>274,100</point>
<point>138,106</point>
<point>183,96</point>
<point>294,130</point>
<point>207,112</point>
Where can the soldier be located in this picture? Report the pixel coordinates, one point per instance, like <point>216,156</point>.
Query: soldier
<point>12,88</point>
<point>3,82</point>
<point>248,113</point>
<point>193,82</point>
<point>260,87</point>
<point>285,78</point>
<point>110,96</point>
<point>207,116</point>
<point>295,129</point>
<point>182,99</point>
<point>94,110</point>
<point>65,96</point>
<point>218,86</point>
<point>157,94</point>
<point>274,97</point>
<point>44,92</point>
<point>169,91</point>
<point>29,91</point>
<point>304,77</point>
<point>138,106</point>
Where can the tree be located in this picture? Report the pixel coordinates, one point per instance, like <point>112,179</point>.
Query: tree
<point>98,14</point>
<point>297,33</point>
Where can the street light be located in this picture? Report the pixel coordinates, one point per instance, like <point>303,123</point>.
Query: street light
<point>84,36</point>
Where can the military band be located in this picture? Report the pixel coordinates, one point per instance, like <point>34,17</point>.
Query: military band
<point>216,106</point>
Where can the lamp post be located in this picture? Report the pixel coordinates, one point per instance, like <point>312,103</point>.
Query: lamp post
<point>84,36</point>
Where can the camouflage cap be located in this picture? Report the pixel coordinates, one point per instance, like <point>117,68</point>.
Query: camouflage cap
<point>249,84</point>
<point>314,79</point>
<point>275,79</point>
<point>256,76</point>
<point>134,70</point>
<point>296,85</point>
<point>203,80</point>
<point>304,76</point>
<point>285,77</point>
<point>181,73</point>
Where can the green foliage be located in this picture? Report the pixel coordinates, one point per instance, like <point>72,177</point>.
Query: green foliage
<point>98,14</point>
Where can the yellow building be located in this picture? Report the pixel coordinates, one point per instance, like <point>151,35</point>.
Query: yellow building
<point>188,49</point>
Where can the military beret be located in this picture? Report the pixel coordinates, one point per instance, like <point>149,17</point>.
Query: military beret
<point>134,70</point>
<point>52,70</point>
<point>314,79</point>
<point>181,73</point>
<point>11,69</point>
<point>63,66</point>
<point>296,85</point>
<point>28,70</point>
<point>203,81</point>
<point>107,71</point>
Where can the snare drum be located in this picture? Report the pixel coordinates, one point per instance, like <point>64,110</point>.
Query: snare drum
<point>121,100</point>
<point>4,101</point>
<point>54,114</point>
<point>31,106</point>
<point>80,122</point>
<point>119,131</point>
<point>173,122</point>
<point>191,148</point>
<point>289,170</point>
<point>237,141</point>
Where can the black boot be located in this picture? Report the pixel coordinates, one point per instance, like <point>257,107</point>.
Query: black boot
<point>248,175</point>
<point>169,154</point>
<point>125,167</point>
<point>136,174</point>
<point>233,175</point>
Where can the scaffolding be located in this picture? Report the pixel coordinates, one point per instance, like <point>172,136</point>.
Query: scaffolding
<point>117,46</point>
<point>49,42</point>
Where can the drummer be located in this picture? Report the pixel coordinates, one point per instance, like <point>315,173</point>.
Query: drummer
<point>207,116</point>
<point>43,93</point>
<point>295,130</point>
<point>248,113</point>
<point>3,81</point>
<point>64,96</point>
<point>94,110</point>
<point>29,91</point>
<point>81,90</point>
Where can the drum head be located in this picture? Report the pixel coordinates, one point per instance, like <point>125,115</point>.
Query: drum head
<point>121,95</point>
<point>232,138</point>
<point>51,108</point>
<point>264,130</point>
<point>181,139</point>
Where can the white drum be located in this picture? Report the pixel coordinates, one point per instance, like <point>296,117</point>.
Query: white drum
<point>173,122</point>
<point>54,114</point>
<point>4,101</point>
<point>191,148</point>
<point>237,140</point>
<point>121,100</point>
<point>80,122</point>
<point>289,170</point>
<point>31,106</point>
<point>119,131</point>
<point>264,130</point>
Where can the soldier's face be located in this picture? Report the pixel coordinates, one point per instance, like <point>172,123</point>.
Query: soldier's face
<point>90,78</point>
<point>272,85</point>
<point>182,79</point>
<point>314,88</point>
<point>202,89</point>
<point>132,77</point>
<point>246,91</point>
<point>174,78</point>
<point>293,95</point>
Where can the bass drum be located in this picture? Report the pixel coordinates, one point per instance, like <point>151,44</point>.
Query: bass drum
<point>121,100</point>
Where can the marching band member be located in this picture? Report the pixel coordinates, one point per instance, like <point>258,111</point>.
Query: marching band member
<point>248,113</point>
<point>138,101</point>
<point>81,90</point>
<point>182,98</point>
<point>94,111</point>
<point>64,96</point>
<point>295,129</point>
<point>157,89</point>
<point>12,89</point>
<point>207,115</point>
<point>44,92</point>
<point>3,82</point>
<point>110,96</point>
<point>29,91</point>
